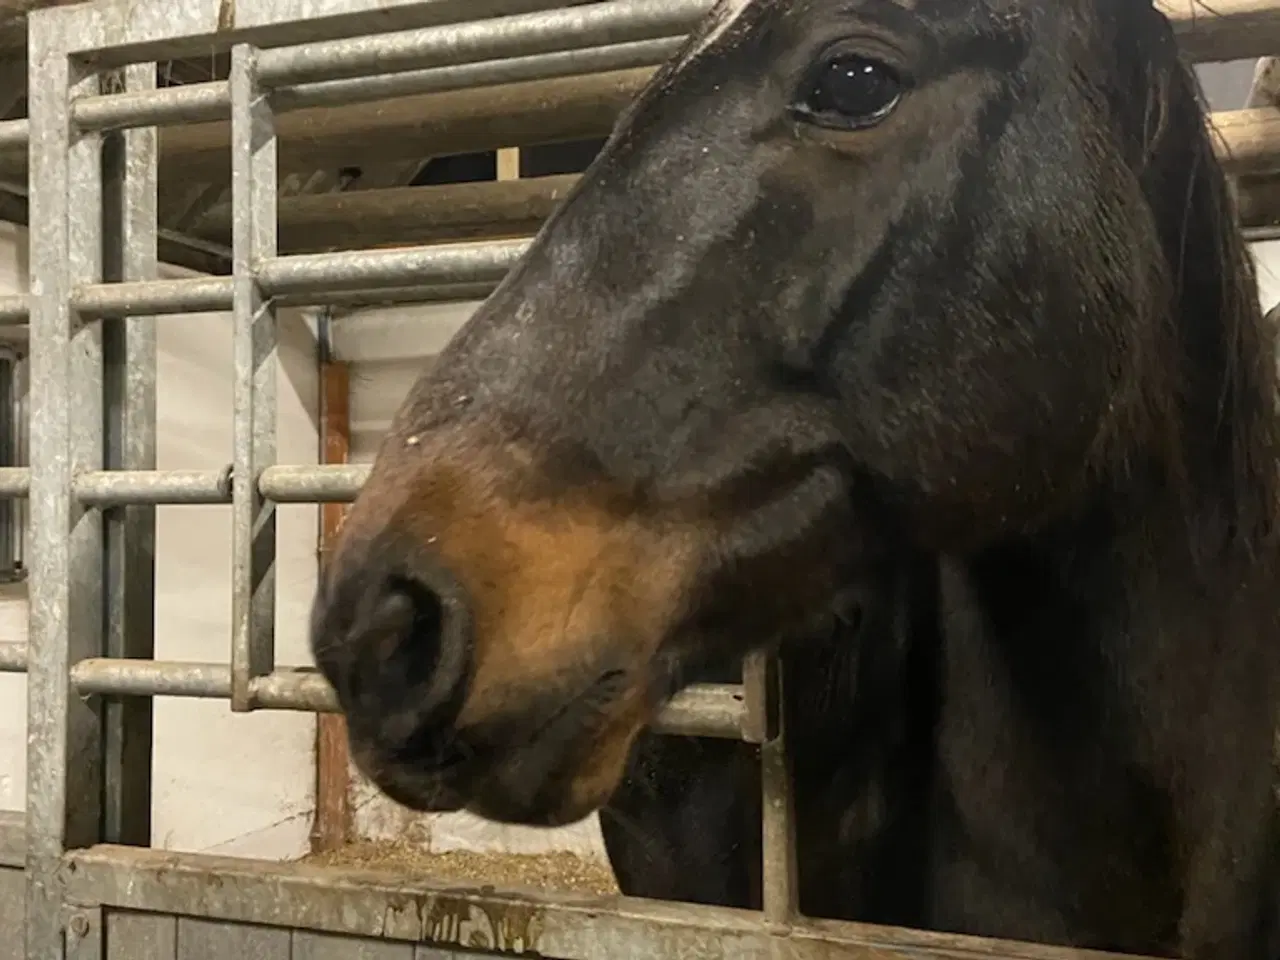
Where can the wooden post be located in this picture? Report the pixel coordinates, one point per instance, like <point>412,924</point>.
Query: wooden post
<point>509,163</point>
<point>332,826</point>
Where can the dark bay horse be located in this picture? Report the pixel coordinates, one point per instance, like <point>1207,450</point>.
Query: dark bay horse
<point>853,278</point>
<point>685,822</point>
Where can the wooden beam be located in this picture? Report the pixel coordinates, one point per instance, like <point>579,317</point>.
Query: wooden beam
<point>332,826</point>
<point>1215,30</point>
<point>360,219</point>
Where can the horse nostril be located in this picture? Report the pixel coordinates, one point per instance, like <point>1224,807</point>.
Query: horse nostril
<point>404,623</point>
<point>410,650</point>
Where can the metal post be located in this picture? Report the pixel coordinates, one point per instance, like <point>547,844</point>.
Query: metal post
<point>10,568</point>
<point>129,382</point>
<point>64,752</point>
<point>763,683</point>
<point>253,537</point>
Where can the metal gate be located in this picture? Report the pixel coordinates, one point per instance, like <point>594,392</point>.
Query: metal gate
<point>92,887</point>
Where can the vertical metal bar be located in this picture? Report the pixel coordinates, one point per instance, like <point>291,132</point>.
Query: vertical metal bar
<point>8,458</point>
<point>253,543</point>
<point>129,384</point>
<point>22,456</point>
<point>64,747</point>
<point>762,677</point>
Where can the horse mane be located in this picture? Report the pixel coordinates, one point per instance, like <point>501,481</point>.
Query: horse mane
<point>1225,348</point>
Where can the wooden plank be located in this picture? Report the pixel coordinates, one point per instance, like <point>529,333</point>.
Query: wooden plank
<point>12,898</point>
<point>322,946</point>
<point>361,219</point>
<point>332,826</point>
<point>140,936</point>
<point>213,940</point>
<point>1224,29</point>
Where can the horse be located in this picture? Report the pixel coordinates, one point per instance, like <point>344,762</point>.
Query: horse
<point>848,277</point>
<point>685,821</point>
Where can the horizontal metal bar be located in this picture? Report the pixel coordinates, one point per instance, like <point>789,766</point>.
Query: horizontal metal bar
<point>710,710</point>
<point>104,488</point>
<point>445,263</point>
<point>154,297</point>
<point>211,102</point>
<point>15,482</point>
<point>186,103</point>
<point>14,134</point>
<point>314,483</point>
<point>394,906</point>
<point>13,839</point>
<point>328,483</point>
<point>445,293</point>
<point>286,689</point>
<point>486,73</point>
<point>705,710</point>
<point>13,657</point>
<point>588,25</point>
<point>14,310</point>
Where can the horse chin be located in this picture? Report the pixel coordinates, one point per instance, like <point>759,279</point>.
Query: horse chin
<point>550,764</point>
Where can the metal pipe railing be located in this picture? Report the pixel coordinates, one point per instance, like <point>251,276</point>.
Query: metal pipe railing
<point>13,657</point>
<point>705,710</point>
<point>521,35</point>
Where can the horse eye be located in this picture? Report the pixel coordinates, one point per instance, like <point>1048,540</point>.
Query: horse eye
<point>851,92</point>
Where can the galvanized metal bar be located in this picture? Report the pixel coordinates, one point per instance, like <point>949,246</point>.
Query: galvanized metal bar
<point>14,310</point>
<point>214,294</point>
<point>762,683</point>
<point>703,710</point>
<point>14,134</point>
<point>328,483</point>
<point>445,293</point>
<point>129,382</point>
<point>186,103</point>
<point>14,481</point>
<point>13,657</point>
<point>254,178</point>
<point>487,73</point>
<point>13,838</point>
<point>64,743</point>
<point>444,263</point>
<point>208,102</point>
<point>10,427</point>
<point>154,297</point>
<point>118,32</point>
<point>522,35</point>
<point>104,488</point>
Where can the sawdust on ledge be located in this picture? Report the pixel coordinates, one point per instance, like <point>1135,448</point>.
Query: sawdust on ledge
<point>547,871</point>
